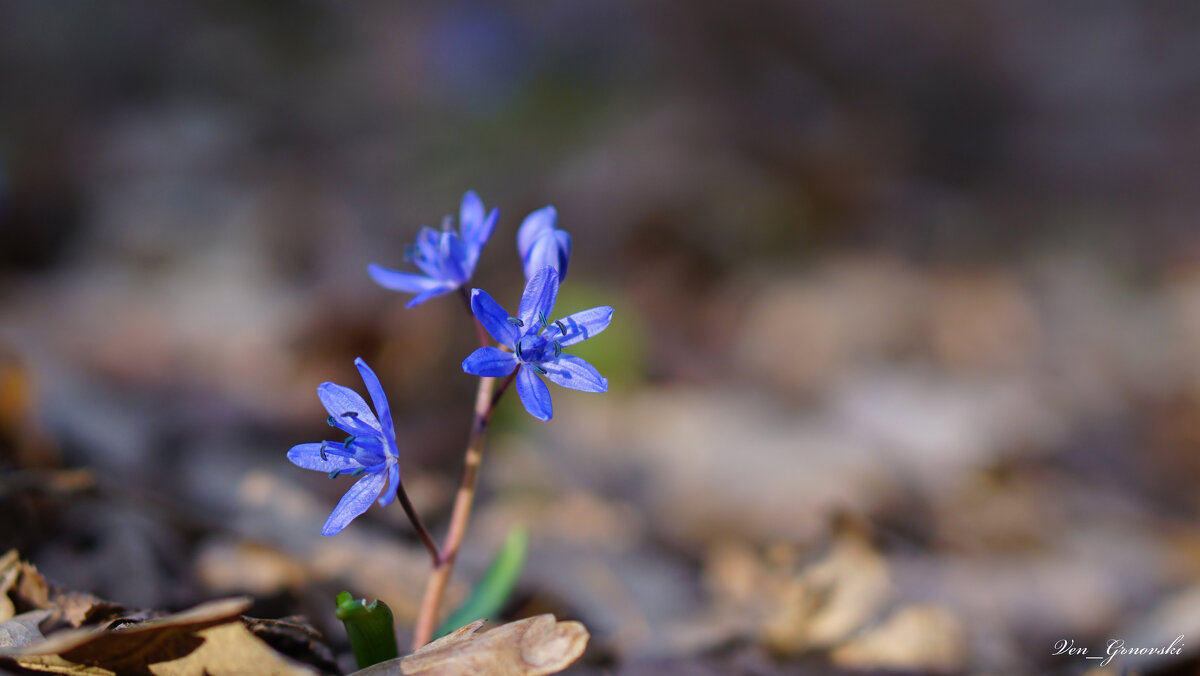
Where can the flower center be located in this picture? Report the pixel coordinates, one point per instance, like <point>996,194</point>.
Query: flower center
<point>533,349</point>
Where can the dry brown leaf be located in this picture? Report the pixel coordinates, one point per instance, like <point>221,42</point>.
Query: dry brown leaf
<point>915,637</point>
<point>21,586</point>
<point>529,647</point>
<point>22,630</point>
<point>208,639</point>
<point>8,577</point>
<point>829,600</point>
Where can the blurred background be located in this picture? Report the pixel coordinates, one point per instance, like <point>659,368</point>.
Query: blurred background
<point>906,356</point>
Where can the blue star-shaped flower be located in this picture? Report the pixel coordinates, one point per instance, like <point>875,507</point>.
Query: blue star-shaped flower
<point>537,343</point>
<point>369,452</point>
<point>446,257</point>
<point>541,244</point>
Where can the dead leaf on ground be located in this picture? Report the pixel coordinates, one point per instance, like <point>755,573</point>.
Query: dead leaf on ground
<point>829,600</point>
<point>529,647</point>
<point>914,637</point>
<point>8,578</point>
<point>21,586</point>
<point>22,630</point>
<point>209,639</point>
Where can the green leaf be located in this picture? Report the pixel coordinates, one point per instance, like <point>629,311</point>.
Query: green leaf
<point>493,590</point>
<point>370,629</point>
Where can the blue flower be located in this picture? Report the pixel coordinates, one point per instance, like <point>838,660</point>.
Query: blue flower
<point>541,244</point>
<point>446,257</point>
<point>369,452</point>
<point>537,343</point>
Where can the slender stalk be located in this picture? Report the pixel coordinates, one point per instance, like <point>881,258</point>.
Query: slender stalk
<point>418,525</point>
<point>486,398</point>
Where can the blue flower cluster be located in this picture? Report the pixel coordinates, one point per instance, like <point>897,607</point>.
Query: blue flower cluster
<point>531,347</point>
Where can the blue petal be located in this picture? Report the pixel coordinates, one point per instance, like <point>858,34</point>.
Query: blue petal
<point>442,288</point>
<point>389,493</point>
<point>339,400</point>
<point>354,502</point>
<point>533,227</point>
<point>491,362</point>
<point>453,256</point>
<point>308,456</point>
<point>540,294</point>
<point>369,451</point>
<point>548,252</point>
<point>429,258</point>
<point>379,399</point>
<point>470,215</point>
<point>571,371</point>
<point>581,325</point>
<point>493,317</point>
<point>408,282</point>
<point>474,243</point>
<point>564,252</point>
<point>534,394</point>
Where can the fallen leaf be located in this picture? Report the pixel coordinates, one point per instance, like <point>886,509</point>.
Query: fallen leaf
<point>530,647</point>
<point>22,629</point>
<point>295,638</point>
<point>915,637</point>
<point>830,599</point>
<point>210,639</point>
<point>21,586</point>
<point>8,577</point>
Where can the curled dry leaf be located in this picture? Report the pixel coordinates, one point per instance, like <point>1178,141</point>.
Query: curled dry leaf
<point>8,578</point>
<point>21,586</point>
<point>830,600</point>
<point>209,639</point>
<point>529,647</point>
<point>23,589</point>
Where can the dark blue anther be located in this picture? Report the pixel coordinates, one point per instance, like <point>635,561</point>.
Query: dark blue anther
<point>358,472</point>
<point>561,327</point>
<point>515,322</point>
<point>518,351</point>
<point>349,440</point>
<point>542,319</point>
<point>538,369</point>
<point>323,456</point>
<point>334,473</point>
<point>331,422</point>
<point>557,349</point>
<point>350,414</point>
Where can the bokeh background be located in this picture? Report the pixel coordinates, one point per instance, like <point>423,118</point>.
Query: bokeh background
<point>905,363</point>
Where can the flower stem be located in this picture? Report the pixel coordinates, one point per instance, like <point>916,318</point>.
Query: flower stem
<point>418,525</point>
<point>486,398</point>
